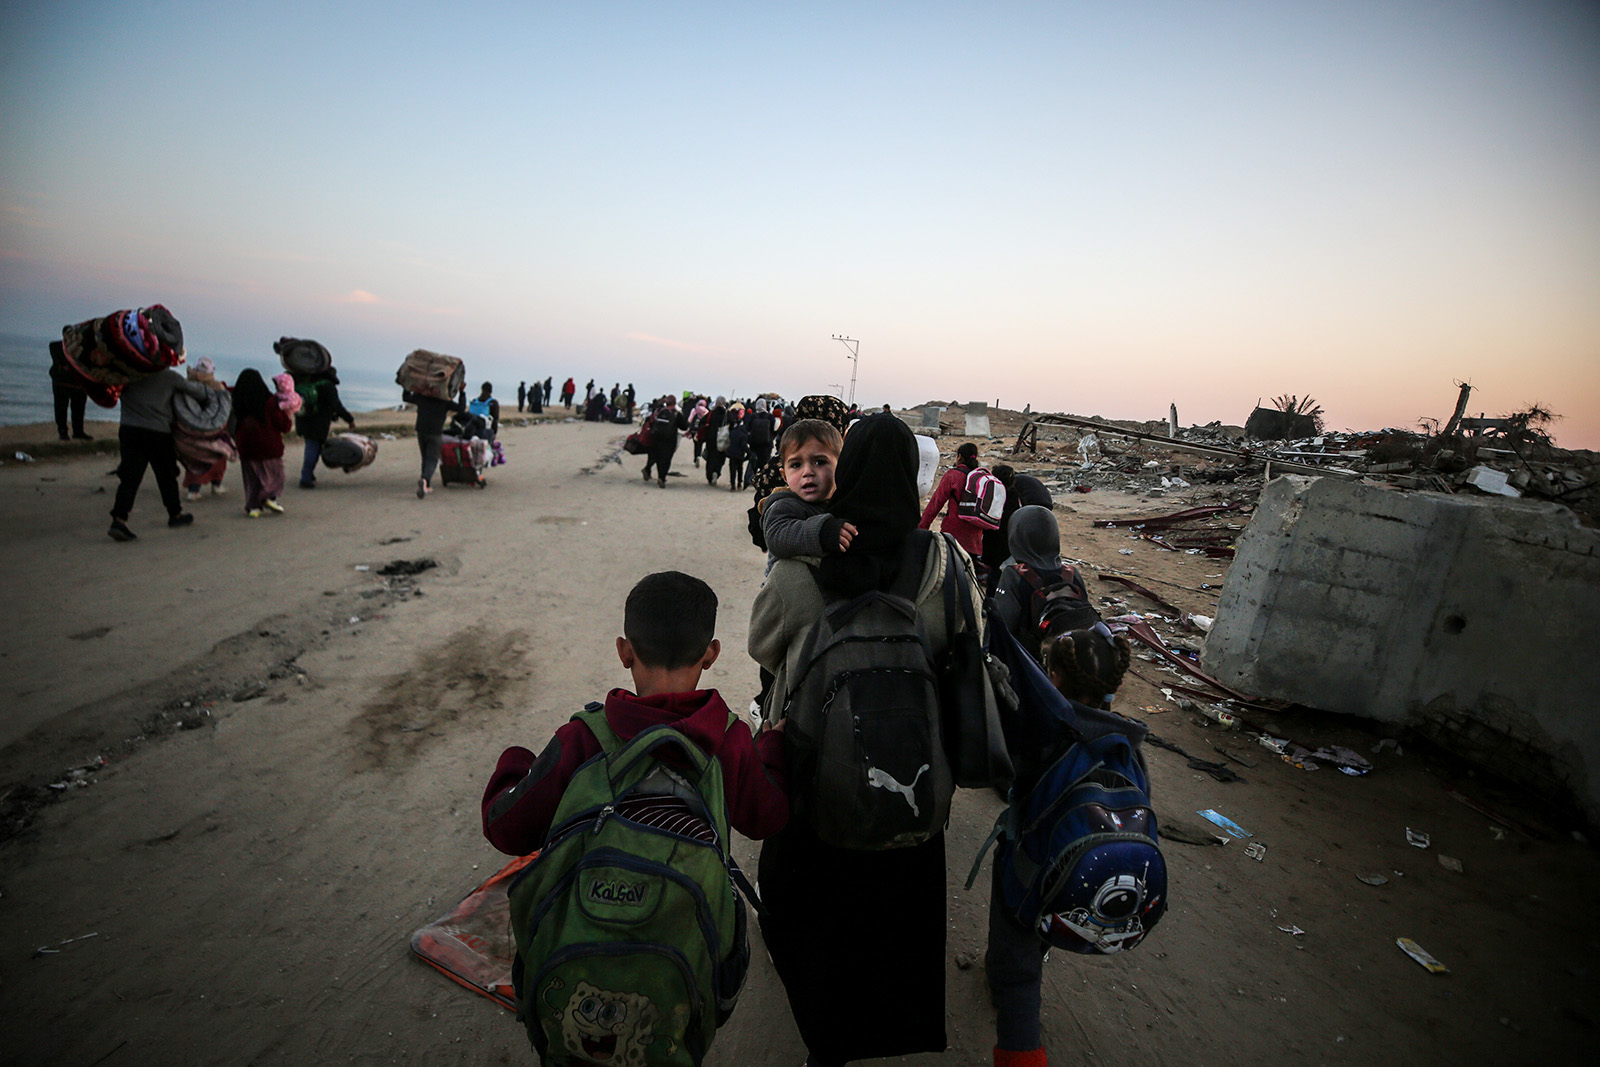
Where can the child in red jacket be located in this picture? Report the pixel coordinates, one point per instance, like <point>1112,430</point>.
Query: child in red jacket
<point>668,624</point>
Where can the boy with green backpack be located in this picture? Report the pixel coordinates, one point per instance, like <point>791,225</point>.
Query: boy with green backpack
<point>630,927</point>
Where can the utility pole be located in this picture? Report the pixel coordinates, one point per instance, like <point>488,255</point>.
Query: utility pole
<point>854,347</point>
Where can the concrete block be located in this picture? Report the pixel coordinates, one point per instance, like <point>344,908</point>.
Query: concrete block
<point>1491,481</point>
<point>977,426</point>
<point>1460,616</point>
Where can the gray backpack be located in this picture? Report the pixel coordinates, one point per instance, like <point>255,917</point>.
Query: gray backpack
<point>863,738</point>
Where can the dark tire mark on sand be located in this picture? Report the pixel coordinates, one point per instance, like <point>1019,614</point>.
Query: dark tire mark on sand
<point>459,681</point>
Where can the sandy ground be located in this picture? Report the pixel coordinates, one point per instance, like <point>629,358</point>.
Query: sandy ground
<point>296,748</point>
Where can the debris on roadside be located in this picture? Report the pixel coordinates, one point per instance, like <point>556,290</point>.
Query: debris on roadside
<point>1510,456</point>
<point>1421,955</point>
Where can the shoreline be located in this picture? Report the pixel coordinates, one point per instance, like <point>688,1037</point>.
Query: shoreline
<point>39,439</point>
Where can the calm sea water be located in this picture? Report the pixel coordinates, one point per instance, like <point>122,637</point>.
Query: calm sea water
<point>25,382</point>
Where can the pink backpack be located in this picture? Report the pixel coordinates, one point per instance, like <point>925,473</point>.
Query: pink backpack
<point>983,499</point>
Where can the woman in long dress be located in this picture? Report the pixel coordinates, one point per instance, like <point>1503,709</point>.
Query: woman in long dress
<point>858,937</point>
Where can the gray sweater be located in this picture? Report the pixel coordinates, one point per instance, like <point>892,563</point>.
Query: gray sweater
<point>791,528</point>
<point>147,402</point>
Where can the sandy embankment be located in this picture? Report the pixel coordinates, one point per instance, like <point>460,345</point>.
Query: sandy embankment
<point>252,881</point>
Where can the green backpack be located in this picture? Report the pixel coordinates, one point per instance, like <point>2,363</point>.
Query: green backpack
<point>631,935</point>
<point>310,393</point>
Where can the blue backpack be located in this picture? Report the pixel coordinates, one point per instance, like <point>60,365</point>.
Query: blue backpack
<point>1079,858</point>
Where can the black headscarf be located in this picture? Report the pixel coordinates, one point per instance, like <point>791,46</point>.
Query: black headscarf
<point>875,489</point>
<point>251,395</point>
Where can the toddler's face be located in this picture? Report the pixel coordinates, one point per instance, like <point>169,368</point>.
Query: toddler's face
<point>808,472</point>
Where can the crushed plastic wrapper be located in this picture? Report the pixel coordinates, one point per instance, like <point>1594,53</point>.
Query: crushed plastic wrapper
<point>1343,758</point>
<point>1450,863</point>
<point>1211,816</point>
<point>1417,839</point>
<point>1421,955</point>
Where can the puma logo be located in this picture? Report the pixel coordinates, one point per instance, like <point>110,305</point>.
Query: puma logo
<point>878,778</point>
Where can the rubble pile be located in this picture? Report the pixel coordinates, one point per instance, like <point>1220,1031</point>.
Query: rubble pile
<point>1084,454</point>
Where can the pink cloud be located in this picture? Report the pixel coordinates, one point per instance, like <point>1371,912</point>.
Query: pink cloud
<point>684,346</point>
<point>360,296</point>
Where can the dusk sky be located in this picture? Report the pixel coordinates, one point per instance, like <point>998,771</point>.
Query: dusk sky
<point>1096,208</point>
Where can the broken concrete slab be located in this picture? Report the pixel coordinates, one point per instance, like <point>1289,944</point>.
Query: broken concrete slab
<point>1461,617</point>
<point>930,419</point>
<point>1491,481</point>
<point>977,425</point>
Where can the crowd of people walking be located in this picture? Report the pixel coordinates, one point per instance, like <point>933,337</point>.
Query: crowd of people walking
<point>837,508</point>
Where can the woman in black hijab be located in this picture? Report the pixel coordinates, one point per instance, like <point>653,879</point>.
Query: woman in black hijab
<point>858,937</point>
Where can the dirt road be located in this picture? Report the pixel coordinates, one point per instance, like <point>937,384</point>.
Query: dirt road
<point>297,748</point>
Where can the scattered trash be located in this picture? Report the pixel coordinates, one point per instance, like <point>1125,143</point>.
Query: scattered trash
<point>1498,833</point>
<point>1388,742</point>
<point>1343,758</point>
<point>1417,838</point>
<point>1122,551</point>
<point>1235,757</point>
<point>1211,712</point>
<point>1210,815</point>
<point>407,566</point>
<point>1256,851</point>
<point>1373,879</point>
<point>354,619</point>
<point>1201,622</point>
<point>24,457</point>
<point>363,567</point>
<point>1176,829</point>
<point>50,950</point>
<point>1418,953</point>
<point>1450,863</point>
<point>1292,931</point>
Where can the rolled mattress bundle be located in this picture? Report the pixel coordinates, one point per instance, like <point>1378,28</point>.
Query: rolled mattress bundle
<point>349,452</point>
<point>203,448</point>
<point>102,355</point>
<point>203,417</point>
<point>302,358</point>
<point>431,374</point>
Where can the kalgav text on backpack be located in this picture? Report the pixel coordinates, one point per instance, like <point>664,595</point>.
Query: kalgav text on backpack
<point>863,737</point>
<point>631,936</point>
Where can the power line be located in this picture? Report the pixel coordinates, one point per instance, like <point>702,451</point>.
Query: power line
<point>854,348</point>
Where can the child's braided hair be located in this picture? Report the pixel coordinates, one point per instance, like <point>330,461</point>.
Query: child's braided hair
<point>1085,666</point>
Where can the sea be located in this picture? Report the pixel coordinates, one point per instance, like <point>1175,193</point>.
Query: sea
<point>25,381</point>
